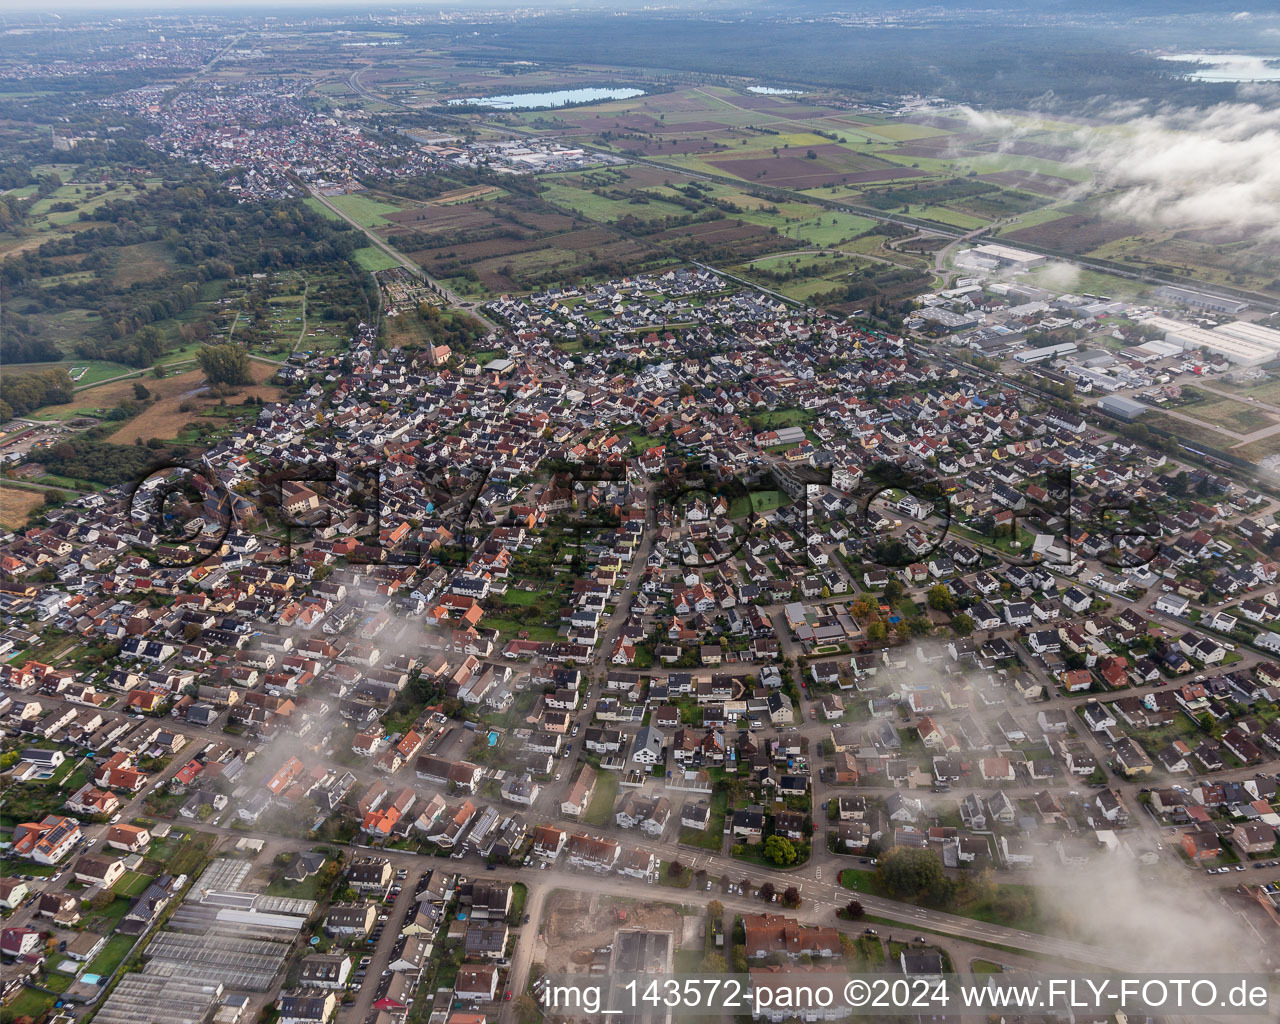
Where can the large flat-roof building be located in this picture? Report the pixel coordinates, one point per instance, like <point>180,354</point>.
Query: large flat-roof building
<point>1007,256</point>
<point>1241,343</point>
<point>1268,337</point>
<point>1201,300</point>
<point>1125,408</point>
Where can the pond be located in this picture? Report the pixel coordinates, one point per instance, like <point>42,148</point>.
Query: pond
<point>558,98</point>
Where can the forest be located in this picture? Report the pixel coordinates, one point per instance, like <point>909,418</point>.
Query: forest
<point>205,235</point>
<point>1008,64</point>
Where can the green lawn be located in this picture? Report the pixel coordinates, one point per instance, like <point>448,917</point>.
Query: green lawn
<point>29,1003</point>
<point>134,883</point>
<point>373,259</point>
<point>712,837</point>
<point>363,210</point>
<point>519,897</point>
<point>600,810</point>
<point>307,889</point>
<point>116,949</point>
<point>509,628</point>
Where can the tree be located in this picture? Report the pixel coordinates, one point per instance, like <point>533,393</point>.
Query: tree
<point>526,1009</point>
<point>780,850</point>
<point>908,873</point>
<point>767,892</point>
<point>983,886</point>
<point>224,364</point>
<point>940,598</point>
<point>854,910</point>
<point>713,963</point>
<point>675,869</point>
<point>791,898</point>
<point>1013,904</point>
<point>892,591</point>
<point>715,910</point>
<point>962,625</point>
<point>877,632</point>
<point>140,391</point>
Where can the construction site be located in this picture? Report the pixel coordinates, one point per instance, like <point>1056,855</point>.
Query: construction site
<point>584,933</point>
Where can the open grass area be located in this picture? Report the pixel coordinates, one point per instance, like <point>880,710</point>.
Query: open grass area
<point>373,259</point>
<point>510,629</point>
<point>84,372</point>
<point>600,810</point>
<point>104,921</point>
<point>116,949</point>
<point>1192,432</point>
<point>1012,905</point>
<point>1267,390</point>
<point>29,1003</point>
<point>316,206</point>
<point>363,210</point>
<point>134,883</point>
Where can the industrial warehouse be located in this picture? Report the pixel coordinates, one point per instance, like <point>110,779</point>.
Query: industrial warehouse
<point>1243,343</point>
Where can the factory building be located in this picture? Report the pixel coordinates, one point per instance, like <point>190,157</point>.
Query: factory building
<point>1040,355</point>
<point>1201,300</point>
<point>990,254</point>
<point>1241,343</point>
<point>1121,407</point>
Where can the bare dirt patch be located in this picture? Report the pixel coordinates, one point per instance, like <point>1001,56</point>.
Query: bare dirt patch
<point>577,923</point>
<point>1074,233</point>
<point>1040,150</point>
<point>1046,184</point>
<point>673,146</point>
<point>462,195</point>
<point>829,165</point>
<point>16,505</point>
<point>446,218</point>
<point>165,418</point>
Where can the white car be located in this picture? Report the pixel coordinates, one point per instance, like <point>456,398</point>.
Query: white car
<point>558,774</point>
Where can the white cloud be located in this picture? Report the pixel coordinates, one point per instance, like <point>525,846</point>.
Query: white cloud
<point>1195,168</point>
<point>1215,167</point>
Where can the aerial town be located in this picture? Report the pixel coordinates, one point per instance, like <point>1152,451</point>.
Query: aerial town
<point>462,554</point>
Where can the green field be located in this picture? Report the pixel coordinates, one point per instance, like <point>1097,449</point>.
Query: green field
<point>1226,412</point>
<point>363,210</point>
<point>373,259</point>
<point>97,370</point>
<point>316,206</point>
<point>600,810</point>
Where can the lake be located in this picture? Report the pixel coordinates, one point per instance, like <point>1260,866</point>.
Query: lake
<point>559,98</point>
<point>1230,67</point>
